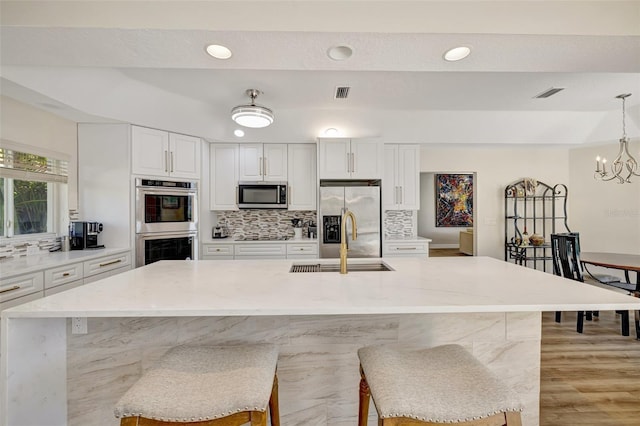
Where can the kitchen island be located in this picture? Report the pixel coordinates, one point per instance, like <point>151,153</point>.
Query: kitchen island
<point>319,320</point>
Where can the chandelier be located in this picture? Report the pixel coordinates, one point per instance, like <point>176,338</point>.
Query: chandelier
<point>624,166</point>
<point>253,115</point>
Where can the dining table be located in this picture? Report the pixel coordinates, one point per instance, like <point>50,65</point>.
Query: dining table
<point>621,261</point>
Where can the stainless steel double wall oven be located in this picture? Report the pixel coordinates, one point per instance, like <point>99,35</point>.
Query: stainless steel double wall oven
<point>166,220</point>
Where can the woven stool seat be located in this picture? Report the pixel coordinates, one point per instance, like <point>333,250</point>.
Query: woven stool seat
<point>444,384</point>
<point>199,383</point>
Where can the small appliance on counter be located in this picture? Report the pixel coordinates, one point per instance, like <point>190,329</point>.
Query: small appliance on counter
<point>312,230</point>
<point>219,232</point>
<point>84,235</point>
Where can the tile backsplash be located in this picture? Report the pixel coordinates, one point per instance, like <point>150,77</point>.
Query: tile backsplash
<point>398,223</point>
<point>24,246</point>
<point>267,224</point>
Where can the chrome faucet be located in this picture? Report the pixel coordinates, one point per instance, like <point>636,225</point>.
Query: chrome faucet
<point>344,244</point>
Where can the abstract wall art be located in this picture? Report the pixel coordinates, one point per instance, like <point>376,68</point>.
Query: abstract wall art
<point>454,200</point>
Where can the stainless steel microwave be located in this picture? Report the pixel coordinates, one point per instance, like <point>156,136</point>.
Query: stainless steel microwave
<point>262,195</point>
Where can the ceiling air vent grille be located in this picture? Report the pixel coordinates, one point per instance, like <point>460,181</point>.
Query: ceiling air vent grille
<point>342,92</point>
<point>549,92</point>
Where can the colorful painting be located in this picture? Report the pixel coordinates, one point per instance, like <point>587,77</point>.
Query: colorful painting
<point>454,201</point>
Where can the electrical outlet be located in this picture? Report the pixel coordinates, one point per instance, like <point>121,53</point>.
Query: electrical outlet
<point>79,325</point>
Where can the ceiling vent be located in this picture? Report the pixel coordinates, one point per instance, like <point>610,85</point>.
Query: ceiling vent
<point>549,92</point>
<point>342,92</point>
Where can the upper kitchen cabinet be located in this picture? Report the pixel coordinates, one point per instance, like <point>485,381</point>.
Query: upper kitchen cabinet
<point>223,176</point>
<point>401,181</point>
<point>342,158</point>
<point>160,153</point>
<point>302,176</point>
<point>263,162</point>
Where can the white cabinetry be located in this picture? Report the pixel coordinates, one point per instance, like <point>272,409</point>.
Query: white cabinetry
<point>160,153</point>
<point>21,285</point>
<point>401,181</point>
<point>350,158</point>
<point>107,263</point>
<point>301,167</point>
<point>260,251</point>
<point>217,251</point>
<point>407,248</point>
<point>302,250</point>
<point>263,162</point>
<point>223,176</point>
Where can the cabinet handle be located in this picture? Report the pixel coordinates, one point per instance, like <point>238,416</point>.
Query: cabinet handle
<point>348,162</point>
<point>111,263</point>
<point>400,193</point>
<point>171,161</point>
<point>6,290</point>
<point>395,196</point>
<point>217,249</point>
<point>264,160</point>
<point>407,248</point>
<point>353,162</point>
<point>261,162</point>
<point>66,274</point>
<point>289,194</point>
<point>237,195</point>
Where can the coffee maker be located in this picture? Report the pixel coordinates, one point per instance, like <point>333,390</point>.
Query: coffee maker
<point>84,235</point>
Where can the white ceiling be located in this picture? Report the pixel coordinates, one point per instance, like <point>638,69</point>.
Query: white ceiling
<point>144,63</point>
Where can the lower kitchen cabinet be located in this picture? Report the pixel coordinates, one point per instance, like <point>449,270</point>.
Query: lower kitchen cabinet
<point>260,251</point>
<point>302,250</point>
<point>406,248</point>
<point>18,289</point>
<point>217,252</point>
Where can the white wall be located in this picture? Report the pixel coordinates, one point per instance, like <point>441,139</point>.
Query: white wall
<point>496,167</point>
<point>48,134</point>
<point>606,214</point>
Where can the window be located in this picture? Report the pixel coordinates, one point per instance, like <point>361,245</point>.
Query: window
<point>28,190</point>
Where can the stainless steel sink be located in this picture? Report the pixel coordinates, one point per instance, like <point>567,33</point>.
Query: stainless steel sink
<point>335,267</point>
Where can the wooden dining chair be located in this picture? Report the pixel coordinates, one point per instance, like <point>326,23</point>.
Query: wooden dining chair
<point>565,254</point>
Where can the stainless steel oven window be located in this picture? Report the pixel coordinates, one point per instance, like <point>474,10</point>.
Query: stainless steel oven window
<point>151,248</point>
<point>166,210</point>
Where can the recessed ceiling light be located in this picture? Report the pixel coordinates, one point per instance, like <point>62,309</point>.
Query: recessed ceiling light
<point>457,53</point>
<point>331,131</point>
<point>239,133</point>
<point>340,53</point>
<point>218,51</point>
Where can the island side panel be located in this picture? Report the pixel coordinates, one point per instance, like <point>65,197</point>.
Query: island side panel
<point>34,363</point>
<point>318,364</point>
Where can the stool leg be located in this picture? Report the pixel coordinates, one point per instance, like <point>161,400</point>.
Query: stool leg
<point>274,408</point>
<point>365,395</point>
<point>513,418</point>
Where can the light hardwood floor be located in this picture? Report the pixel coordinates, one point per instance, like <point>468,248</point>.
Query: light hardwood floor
<point>591,378</point>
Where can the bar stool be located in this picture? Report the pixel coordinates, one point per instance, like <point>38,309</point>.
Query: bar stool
<point>205,386</point>
<point>444,384</point>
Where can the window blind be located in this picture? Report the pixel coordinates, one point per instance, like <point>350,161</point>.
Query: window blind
<point>24,166</point>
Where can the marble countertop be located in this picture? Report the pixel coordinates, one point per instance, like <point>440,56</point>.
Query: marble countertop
<point>26,264</point>
<point>265,287</point>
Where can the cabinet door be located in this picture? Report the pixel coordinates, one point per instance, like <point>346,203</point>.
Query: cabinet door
<point>335,158</point>
<point>184,156</point>
<point>223,177</point>
<point>390,178</point>
<point>366,161</point>
<point>408,177</point>
<point>275,162</point>
<point>251,162</point>
<point>302,176</point>
<point>150,151</point>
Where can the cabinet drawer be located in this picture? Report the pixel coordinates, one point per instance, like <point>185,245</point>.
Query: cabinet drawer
<point>62,274</point>
<point>107,263</point>
<point>217,250</point>
<point>257,251</point>
<point>302,249</point>
<point>405,249</point>
<point>21,286</point>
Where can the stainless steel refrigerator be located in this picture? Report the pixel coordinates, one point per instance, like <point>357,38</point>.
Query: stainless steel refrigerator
<point>363,199</point>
